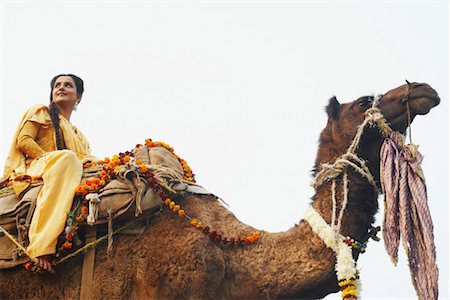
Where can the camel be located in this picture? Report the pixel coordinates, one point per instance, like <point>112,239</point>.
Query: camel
<point>172,259</point>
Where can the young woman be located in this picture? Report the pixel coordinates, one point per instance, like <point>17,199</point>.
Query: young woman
<point>47,146</point>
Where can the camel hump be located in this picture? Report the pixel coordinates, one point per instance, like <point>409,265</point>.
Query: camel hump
<point>157,156</point>
<point>162,156</point>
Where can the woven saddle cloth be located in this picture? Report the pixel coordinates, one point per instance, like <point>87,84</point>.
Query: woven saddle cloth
<point>121,199</point>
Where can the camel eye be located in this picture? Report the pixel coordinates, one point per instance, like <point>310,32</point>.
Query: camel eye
<point>365,103</point>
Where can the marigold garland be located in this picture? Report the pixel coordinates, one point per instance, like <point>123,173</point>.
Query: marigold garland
<point>108,168</point>
<point>188,174</point>
<point>348,288</point>
<point>213,235</point>
<point>176,208</point>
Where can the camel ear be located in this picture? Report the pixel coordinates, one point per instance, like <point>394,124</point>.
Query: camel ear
<point>333,108</point>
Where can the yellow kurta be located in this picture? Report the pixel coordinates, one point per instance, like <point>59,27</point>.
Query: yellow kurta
<point>33,153</point>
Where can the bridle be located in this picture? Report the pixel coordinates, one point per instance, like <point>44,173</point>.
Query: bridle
<point>346,270</point>
<point>350,159</point>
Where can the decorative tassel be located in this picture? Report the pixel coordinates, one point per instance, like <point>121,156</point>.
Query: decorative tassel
<point>94,200</point>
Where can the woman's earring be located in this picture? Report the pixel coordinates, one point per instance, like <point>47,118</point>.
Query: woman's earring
<point>75,105</point>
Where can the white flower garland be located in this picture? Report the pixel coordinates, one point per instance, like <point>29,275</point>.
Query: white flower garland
<point>345,264</point>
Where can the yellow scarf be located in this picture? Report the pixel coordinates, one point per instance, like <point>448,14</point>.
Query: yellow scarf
<point>15,163</point>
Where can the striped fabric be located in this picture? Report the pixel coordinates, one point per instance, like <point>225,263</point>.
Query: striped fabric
<point>407,214</point>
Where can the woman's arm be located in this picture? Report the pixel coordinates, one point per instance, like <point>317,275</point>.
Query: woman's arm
<point>26,142</point>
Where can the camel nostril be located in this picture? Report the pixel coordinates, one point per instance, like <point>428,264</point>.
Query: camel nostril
<point>436,100</point>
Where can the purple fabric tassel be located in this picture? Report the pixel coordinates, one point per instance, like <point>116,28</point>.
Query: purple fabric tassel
<point>407,214</point>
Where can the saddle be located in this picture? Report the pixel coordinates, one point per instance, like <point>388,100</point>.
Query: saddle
<point>122,199</point>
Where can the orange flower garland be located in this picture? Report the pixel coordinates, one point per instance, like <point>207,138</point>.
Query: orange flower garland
<point>91,185</point>
<point>108,169</point>
<point>188,174</point>
<point>348,288</point>
<point>176,208</point>
<point>213,235</point>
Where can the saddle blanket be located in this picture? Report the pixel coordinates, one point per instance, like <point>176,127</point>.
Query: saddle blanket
<point>122,198</point>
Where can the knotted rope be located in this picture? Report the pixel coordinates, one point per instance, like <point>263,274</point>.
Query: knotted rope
<point>373,117</point>
<point>94,202</point>
<point>407,213</point>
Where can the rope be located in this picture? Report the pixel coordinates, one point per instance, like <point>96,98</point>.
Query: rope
<point>406,101</point>
<point>333,213</point>
<point>336,226</point>
<point>107,236</point>
<point>373,117</point>
<point>110,234</point>
<point>85,247</point>
<point>344,203</point>
<point>162,172</point>
<point>17,243</point>
<point>335,170</point>
<point>409,123</point>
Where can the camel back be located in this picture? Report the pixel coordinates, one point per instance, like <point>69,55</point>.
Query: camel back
<point>121,199</point>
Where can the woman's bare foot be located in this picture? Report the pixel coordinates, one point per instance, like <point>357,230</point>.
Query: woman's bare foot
<point>45,262</point>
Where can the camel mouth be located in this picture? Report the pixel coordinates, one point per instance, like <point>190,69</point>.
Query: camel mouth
<point>418,101</point>
<point>422,104</point>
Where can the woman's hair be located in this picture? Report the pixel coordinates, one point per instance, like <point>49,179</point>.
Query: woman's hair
<point>54,112</point>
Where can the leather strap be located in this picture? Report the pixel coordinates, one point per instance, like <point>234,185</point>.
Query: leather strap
<point>87,276</point>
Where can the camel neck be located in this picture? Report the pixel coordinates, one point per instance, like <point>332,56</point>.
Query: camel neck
<point>362,169</point>
<point>360,211</point>
<point>300,253</point>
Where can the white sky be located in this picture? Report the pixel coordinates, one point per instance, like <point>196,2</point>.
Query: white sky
<point>238,89</point>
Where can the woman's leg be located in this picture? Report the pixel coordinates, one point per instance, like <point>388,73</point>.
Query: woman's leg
<point>61,172</point>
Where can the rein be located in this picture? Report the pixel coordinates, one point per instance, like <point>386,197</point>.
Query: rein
<point>406,101</point>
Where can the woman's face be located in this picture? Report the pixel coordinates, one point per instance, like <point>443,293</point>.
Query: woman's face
<point>64,91</point>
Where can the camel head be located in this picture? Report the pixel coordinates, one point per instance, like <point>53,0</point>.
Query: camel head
<point>344,119</point>
<point>420,97</point>
<point>396,105</point>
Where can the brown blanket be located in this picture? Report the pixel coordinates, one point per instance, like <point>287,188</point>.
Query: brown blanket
<point>123,198</point>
